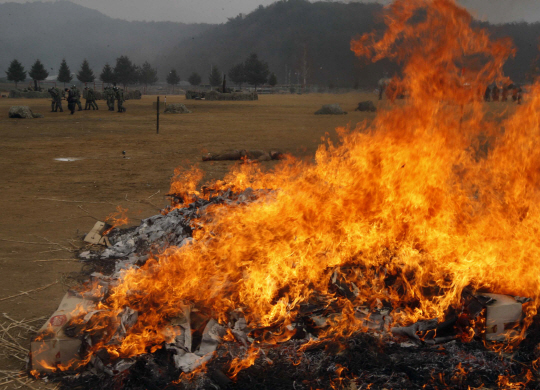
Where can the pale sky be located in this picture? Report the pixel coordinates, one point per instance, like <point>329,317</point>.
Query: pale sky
<point>217,11</point>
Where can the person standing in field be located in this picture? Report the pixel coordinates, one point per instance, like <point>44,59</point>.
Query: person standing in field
<point>505,93</point>
<point>56,103</point>
<point>53,96</point>
<point>77,94</point>
<point>383,84</point>
<point>495,93</point>
<point>90,99</point>
<point>119,94</point>
<point>72,100</point>
<point>109,96</point>
<point>487,94</point>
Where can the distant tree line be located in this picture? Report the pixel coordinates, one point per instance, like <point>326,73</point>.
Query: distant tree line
<point>252,71</point>
<point>125,72</point>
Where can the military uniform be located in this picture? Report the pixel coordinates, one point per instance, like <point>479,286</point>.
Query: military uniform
<point>383,84</point>
<point>52,92</point>
<point>90,99</point>
<point>109,95</point>
<point>119,94</point>
<point>487,94</point>
<point>59,95</point>
<point>56,95</point>
<point>495,93</point>
<point>72,100</point>
<point>77,95</point>
<point>504,94</point>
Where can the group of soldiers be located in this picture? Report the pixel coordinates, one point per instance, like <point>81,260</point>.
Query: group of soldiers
<point>495,94</point>
<point>73,97</point>
<point>112,94</point>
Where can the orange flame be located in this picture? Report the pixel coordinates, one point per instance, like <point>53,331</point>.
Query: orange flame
<point>434,194</point>
<point>238,364</point>
<point>506,382</point>
<point>117,219</point>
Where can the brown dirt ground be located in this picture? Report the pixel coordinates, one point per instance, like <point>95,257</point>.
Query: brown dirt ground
<point>46,204</point>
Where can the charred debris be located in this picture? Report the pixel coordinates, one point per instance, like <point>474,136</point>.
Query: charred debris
<point>467,349</point>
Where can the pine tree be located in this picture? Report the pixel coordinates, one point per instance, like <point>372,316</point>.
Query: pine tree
<point>107,75</point>
<point>215,78</point>
<point>256,71</point>
<point>64,74</point>
<point>38,73</point>
<point>272,80</point>
<point>86,75</point>
<point>137,74</point>
<point>237,74</point>
<point>195,79</point>
<point>16,72</point>
<point>125,72</point>
<point>148,75</point>
<point>173,78</point>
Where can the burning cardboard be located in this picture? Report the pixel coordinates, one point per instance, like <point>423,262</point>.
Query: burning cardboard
<point>96,235</point>
<point>503,317</point>
<point>55,348</point>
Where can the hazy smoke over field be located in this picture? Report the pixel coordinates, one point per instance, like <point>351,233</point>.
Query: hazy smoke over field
<point>217,11</point>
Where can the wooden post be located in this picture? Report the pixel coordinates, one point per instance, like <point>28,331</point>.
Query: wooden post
<point>157,126</point>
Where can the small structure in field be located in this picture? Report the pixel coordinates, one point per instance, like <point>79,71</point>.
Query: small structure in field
<point>22,112</point>
<point>366,106</point>
<point>215,95</point>
<point>176,108</point>
<point>331,109</point>
<point>18,94</point>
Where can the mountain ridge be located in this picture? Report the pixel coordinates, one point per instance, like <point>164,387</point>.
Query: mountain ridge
<point>51,31</point>
<point>291,35</point>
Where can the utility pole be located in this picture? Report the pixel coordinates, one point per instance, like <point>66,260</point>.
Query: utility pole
<point>157,123</point>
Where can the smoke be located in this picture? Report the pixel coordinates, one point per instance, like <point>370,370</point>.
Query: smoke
<point>218,11</point>
<point>494,11</point>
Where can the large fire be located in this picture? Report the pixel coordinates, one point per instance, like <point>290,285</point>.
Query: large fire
<point>434,193</point>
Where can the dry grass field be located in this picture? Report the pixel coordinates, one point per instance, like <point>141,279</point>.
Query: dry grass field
<point>48,205</point>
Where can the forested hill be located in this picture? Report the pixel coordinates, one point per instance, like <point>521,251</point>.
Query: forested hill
<point>289,31</point>
<point>52,31</point>
<point>291,35</point>
<point>285,34</point>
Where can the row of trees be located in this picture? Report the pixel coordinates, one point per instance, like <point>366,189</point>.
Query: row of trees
<point>173,78</point>
<point>252,71</point>
<point>124,72</point>
<point>17,73</point>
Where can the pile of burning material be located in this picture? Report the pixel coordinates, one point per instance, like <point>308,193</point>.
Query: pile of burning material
<point>198,341</point>
<point>396,260</point>
<point>249,156</point>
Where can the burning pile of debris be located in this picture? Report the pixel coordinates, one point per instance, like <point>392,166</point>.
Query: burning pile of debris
<point>449,352</point>
<point>398,259</point>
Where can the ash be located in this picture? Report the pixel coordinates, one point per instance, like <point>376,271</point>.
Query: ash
<point>360,362</point>
<point>172,228</point>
